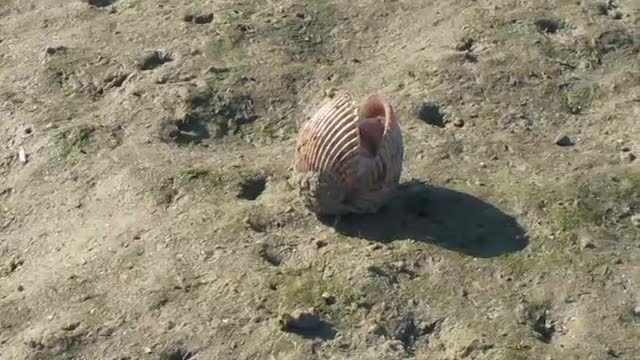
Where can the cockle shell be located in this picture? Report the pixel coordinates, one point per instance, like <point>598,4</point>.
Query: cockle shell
<point>348,156</point>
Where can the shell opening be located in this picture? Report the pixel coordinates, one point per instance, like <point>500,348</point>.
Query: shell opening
<point>371,131</point>
<point>376,106</point>
<point>375,115</point>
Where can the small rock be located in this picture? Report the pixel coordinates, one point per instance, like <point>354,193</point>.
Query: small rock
<point>328,298</point>
<point>547,25</point>
<point>176,354</point>
<point>393,346</point>
<point>375,329</point>
<point>71,326</point>
<point>307,319</point>
<point>563,140</point>
<point>615,14</point>
<point>22,156</point>
<point>199,19</point>
<point>636,311</point>
<point>458,123</point>
<point>20,288</point>
<point>153,59</point>
<point>55,50</point>
<point>203,18</point>
<point>320,243</point>
<point>586,240</point>
<point>465,44</point>
<point>628,157</point>
<point>635,220</point>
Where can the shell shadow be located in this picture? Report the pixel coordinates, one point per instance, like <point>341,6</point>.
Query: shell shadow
<point>453,220</point>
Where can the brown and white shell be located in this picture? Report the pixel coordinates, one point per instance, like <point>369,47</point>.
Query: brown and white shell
<point>348,156</point>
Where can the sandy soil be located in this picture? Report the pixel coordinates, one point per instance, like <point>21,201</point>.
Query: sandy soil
<point>145,148</point>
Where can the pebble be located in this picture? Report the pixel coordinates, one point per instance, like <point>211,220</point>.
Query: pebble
<point>563,140</point>
<point>616,14</point>
<point>636,311</point>
<point>203,18</point>
<point>52,50</point>
<point>465,44</point>
<point>635,220</point>
<point>628,156</point>
<point>458,123</point>
<point>393,345</point>
<point>328,298</point>
<point>152,59</point>
<point>71,326</point>
<point>375,329</point>
<point>199,18</point>
<point>300,319</point>
<point>320,243</point>
<point>586,240</point>
<point>22,156</point>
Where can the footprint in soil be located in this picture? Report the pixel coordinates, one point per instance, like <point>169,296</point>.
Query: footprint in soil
<point>447,218</point>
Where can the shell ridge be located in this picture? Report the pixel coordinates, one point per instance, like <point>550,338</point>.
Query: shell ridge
<point>344,141</point>
<point>341,135</point>
<point>320,123</point>
<point>317,121</point>
<point>331,133</point>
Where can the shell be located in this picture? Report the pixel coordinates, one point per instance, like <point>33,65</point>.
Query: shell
<point>348,156</point>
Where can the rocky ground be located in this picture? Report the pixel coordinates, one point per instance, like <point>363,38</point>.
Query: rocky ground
<point>145,148</point>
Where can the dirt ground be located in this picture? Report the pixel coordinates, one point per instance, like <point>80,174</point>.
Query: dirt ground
<point>146,213</point>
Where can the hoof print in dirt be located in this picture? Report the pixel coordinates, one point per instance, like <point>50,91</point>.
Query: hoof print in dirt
<point>153,59</point>
<point>547,25</point>
<point>251,189</point>
<point>100,3</point>
<point>306,323</point>
<point>430,113</point>
<point>198,18</point>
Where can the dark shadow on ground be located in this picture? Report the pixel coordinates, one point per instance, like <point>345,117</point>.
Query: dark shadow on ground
<point>323,331</point>
<point>444,217</point>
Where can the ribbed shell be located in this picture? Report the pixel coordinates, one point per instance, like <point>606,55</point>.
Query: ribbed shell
<point>341,144</point>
